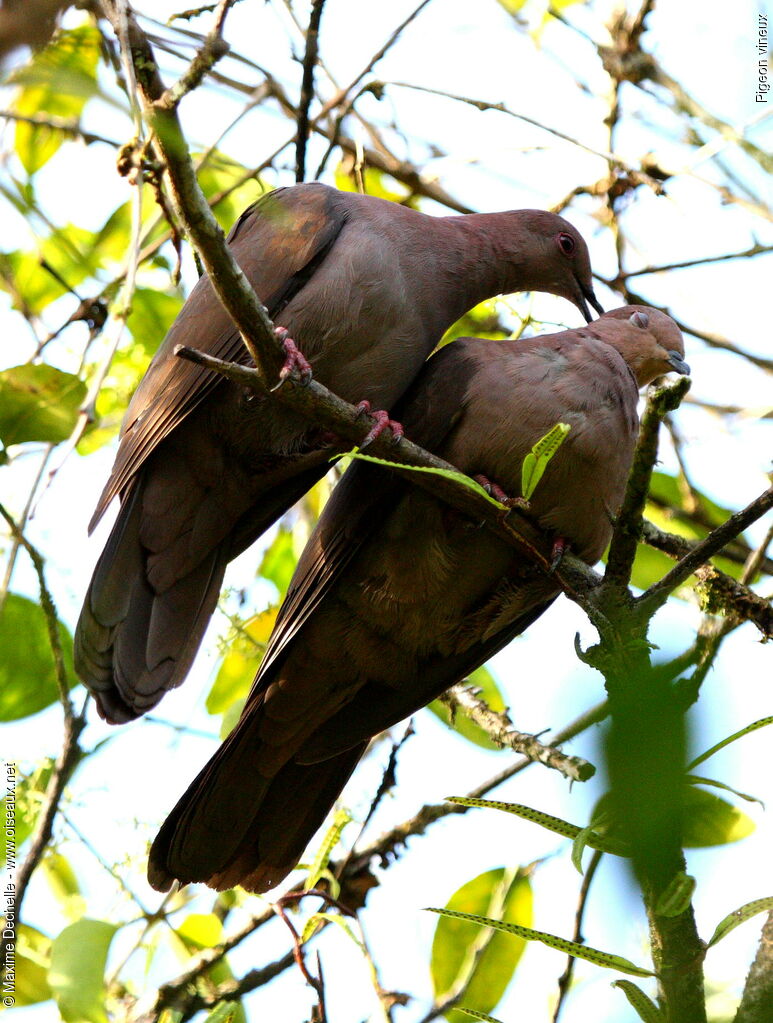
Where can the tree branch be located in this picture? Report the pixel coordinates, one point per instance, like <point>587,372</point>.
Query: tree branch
<point>625,538</point>
<point>499,728</point>
<point>658,594</point>
<point>757,995</point>
<point>307,88</point>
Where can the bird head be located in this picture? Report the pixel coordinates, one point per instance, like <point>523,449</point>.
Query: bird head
<point>649,341</point>
<point>559,260</point>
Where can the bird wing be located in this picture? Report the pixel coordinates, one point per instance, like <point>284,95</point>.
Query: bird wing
<point>279,242</point>
<point>429,412</point>
<point>376,707</point>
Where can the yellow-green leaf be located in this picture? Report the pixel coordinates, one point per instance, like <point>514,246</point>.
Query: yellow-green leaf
<point>25,654</point>
<point>709,820</point>
<point>38,403</point>
<point>329,842</point>
<point>57,81</point>
<point>535,463</point>
<point>644,1006</point>
<point>457,962</point>
<point>200,930</point>
<point>33,958</point>
<point>449,474</point>
<point>677,895</point>
<point>739,916</point>
<point>240,664</point>
<point>61,878</point>
<point>604,843</point>
<point>279,560</point>
<point>76,977</point>
<point>592,955</point>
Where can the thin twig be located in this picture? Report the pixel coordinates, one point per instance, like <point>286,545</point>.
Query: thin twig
<point>565,980</point>
<point>499,728</point>
<point>656,595</point>
<point>625,538</point>
<point>307,88</point>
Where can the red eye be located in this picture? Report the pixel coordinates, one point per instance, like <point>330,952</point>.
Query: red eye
<point>566,244</point>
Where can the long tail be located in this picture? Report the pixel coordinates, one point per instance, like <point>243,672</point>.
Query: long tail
<point>132,643</point>
<point>235,826</point>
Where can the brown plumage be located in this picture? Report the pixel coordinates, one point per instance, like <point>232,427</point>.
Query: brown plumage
<point>397,596</point>
<point>366,288</point>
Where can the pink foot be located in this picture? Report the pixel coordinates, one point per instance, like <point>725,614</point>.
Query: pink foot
<point>493,489</point>
<point>295,365</point>
<point>382,422</point>
<point>560,547</point>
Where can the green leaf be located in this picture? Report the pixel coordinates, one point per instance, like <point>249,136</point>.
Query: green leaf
<point>329,842</point>
<point>126,370</point>
<point>29,792</point>
<point>219,173</point>
<point>645,1008</point>
<point>579,845</point>
<point>482,679</point>
<point>63,883</point>
<point>57,81</point>
<point>205,930</point>
<point>695,779</point>
<point>535,463</point>
<point>762,723</point>
<point>376,183</point>
<point>677,895</point>
<point>25,654</point>
<point>709,820</point>
<point>200,930</point>
<point>311,926</point>
<point>33,958</point>
<point>477,1015</point>
<point>38,403</point>
<point>740,916</point>
<point>573,948</point>
<point>665,509</point>
<point>70,250</point>
<point>76,977</point>
<point>240,664</point>
<point>279,560</point>
<point>604,843</point>
<point>224,1012</point>
<point>449,474</point>
<point>459,959</point>
<point>481,321</point>
<point>153,313</point>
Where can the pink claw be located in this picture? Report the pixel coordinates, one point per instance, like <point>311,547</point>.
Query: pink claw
<point>560,547</point>
<point>493,489</point>
<point>295,365</point>
<point>382,422</point>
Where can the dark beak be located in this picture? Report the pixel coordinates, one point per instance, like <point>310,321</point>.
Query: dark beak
<point>588,293</point>
<point>677,363</point>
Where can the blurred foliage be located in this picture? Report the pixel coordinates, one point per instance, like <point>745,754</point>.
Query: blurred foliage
<point>77,972</point>
<point>27,673</point>
<point>38,402</point>
<point>57,81</point>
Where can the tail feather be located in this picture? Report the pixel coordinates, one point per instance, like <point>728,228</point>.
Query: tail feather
<point>132,643</point>
<point>235,826</point>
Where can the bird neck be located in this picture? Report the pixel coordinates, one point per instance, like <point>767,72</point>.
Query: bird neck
<point>492,255</point>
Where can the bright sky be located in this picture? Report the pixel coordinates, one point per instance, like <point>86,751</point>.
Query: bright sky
<point>120,795</point>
